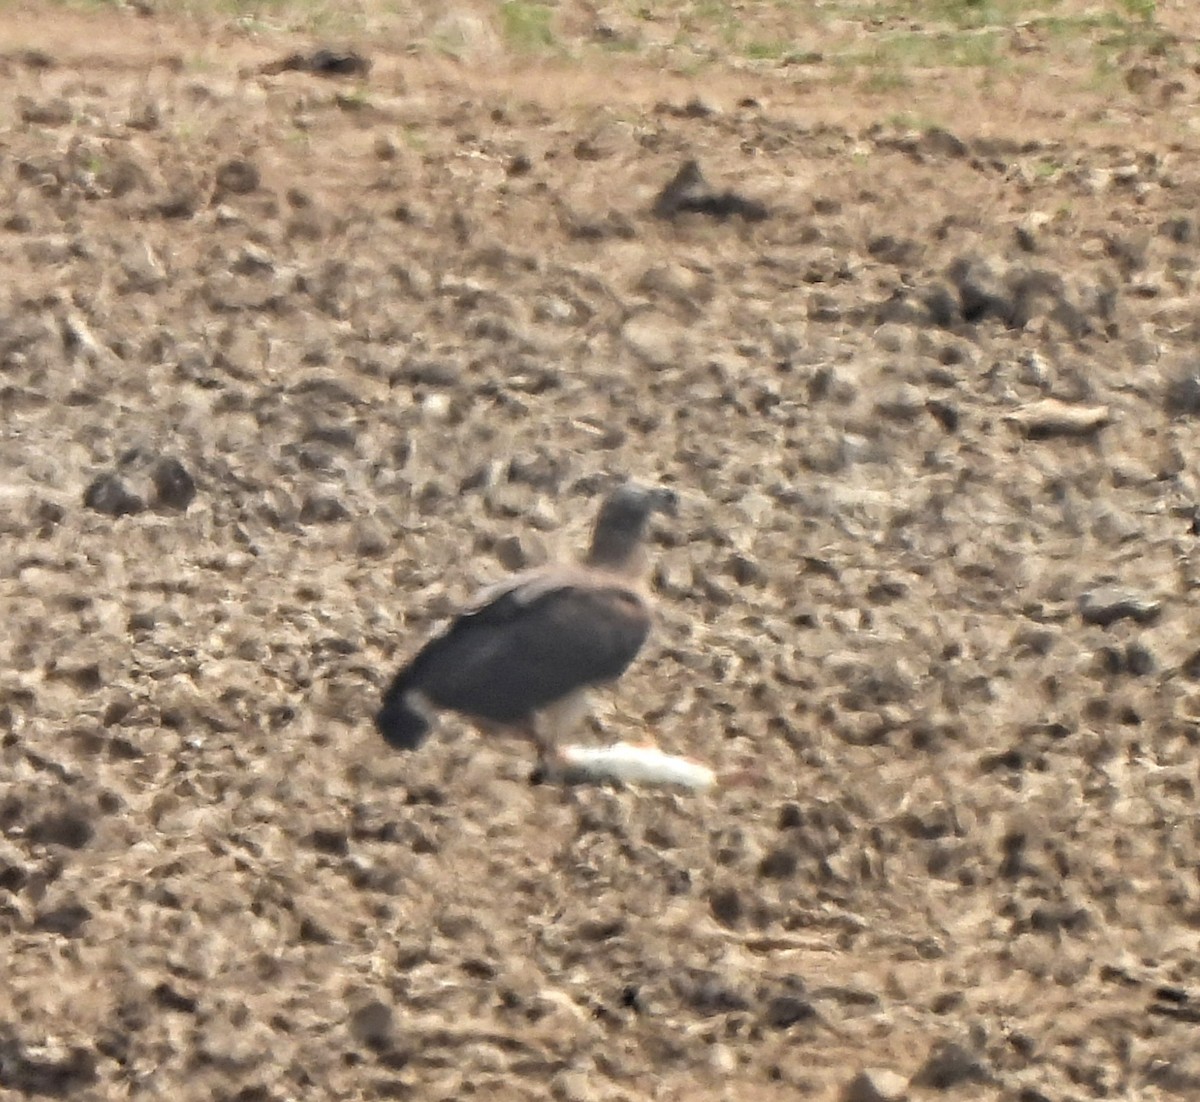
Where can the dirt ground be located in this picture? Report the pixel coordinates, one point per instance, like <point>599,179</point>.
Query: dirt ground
<point>291,363</point>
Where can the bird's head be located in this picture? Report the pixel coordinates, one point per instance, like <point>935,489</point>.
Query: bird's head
<point>622,521</point>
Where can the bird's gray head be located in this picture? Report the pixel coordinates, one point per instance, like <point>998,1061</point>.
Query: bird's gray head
<point>621,524</point>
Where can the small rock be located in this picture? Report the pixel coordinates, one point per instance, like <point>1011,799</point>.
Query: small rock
<point>48,1069</point>
<point>876,1085</point>
<point>654,339</point>
<point>67,828</point>
<point>785,1011</point>
<point>778,864</point>
<point>68,919</point>
<point>372,1024</point>
<point>611,224</point>
<point>1028,231</point>
<point>237,177</point>
<point>937,140</point>
<point>944,413</point>
<point>593,148</point>
<point>791,816</point>
<point>370,539</point>
<point>1139,662</point>
<point>150,618</point>
<point>51,112</point>
<point>899,252</point>
<point>707,994</point>
<point>330,840</point>
<point>174,488</point>
<point>322,508</point>
<point>1051,418</point>
<point>726,906</point>
<point>950,1065</point>
<point>323,62</point>
<point>900,403</point>
<point>178,203</point>
<point>572,1086</point>
<point>695,108</point>
<point>1107,605</point>
<point>1190,667</point>
<point>109,495</point>
<point>33,59</point>
<point>170,998</point>
<point>144,116</point>
<point>688,191</point>
<point>980,293</point>
<point>941,305</point>
<point>1182,397</point>
<point>745,570</point>
<point>511,554</point>
<point>676,282</point>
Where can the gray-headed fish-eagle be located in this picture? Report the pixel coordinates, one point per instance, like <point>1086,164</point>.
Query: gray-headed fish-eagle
<point>523,655</point>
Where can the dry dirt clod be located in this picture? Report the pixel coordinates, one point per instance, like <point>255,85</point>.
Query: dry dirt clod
<point>1182,398</point>
<point>174,488</point>
<point>44,1069</point>
<point>689,192</point>
<point>50,112</point>
<point>948,1066</point>
<point>1107,605</point>
<point>66,919</point>
<point>237,176</point>
<point>573,1086</point>
<point>779,863</point>
<point>785,1011</point>
<point>323,507</point>
<point>109,495</point>
<point>876,1085</point>
<point>1050,418</point>
<point>323,62</point>
<point>370,539</point>
<point>373,1024</point>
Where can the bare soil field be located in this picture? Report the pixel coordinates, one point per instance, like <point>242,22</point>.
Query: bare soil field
<point>292,360</point>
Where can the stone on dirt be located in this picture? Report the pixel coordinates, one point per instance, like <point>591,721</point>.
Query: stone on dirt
<point>689,192</point>
<point>876,1085</point>
<point>1049,418</point>
<point>108,494</point>
<point>1106,605</point>
<point>950,1065</point>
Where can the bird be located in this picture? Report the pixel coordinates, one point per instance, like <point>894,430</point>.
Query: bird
<point>522,656</point>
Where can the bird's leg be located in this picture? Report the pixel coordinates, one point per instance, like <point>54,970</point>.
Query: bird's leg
<point>549,727</point>
<point>548,759</point>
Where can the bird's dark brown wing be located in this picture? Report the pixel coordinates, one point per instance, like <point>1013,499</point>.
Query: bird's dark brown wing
<point>530,645</point>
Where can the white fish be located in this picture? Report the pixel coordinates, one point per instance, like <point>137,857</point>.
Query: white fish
<point>629,762</point>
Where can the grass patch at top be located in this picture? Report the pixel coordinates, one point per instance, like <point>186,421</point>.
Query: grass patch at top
<point>527,25</point>
<point>933,50</point>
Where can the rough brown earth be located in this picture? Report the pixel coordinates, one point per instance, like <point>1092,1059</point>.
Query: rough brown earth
<point>290,363</point>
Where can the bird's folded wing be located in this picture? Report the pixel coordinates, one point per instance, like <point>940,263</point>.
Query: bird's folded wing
<point>532,645</point>
<point>504,598</point>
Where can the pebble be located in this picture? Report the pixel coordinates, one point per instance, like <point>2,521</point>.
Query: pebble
<point>653,338</point>
<point>109,495</point>
<point>174,488</point>
<point>876,1085</point>
<point>1105,606</point>
<point>1052,418</point>
<point>372,1024</point>
<point>950,1065</point>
